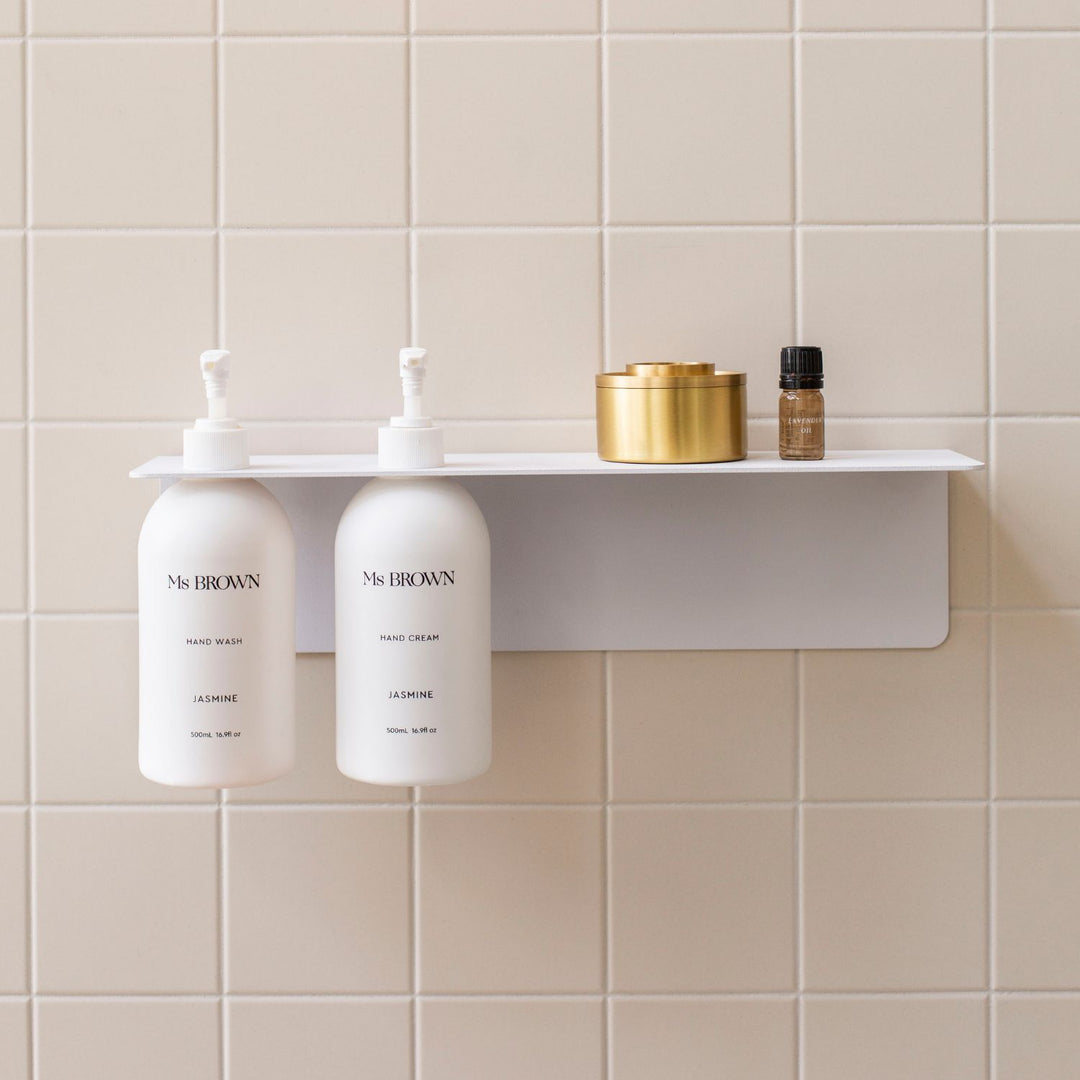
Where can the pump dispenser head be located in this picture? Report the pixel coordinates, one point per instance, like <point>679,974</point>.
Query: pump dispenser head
<point>216,442</point>
<point>411,441</point>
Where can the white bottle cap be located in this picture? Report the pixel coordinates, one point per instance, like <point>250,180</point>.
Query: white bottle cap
<point>216,443</point>
<point>411,441</point>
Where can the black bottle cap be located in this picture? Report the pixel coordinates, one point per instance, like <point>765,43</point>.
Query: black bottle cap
<point>801,368</point>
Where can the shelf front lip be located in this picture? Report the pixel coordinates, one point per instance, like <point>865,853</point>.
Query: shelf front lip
<point>322,466</point>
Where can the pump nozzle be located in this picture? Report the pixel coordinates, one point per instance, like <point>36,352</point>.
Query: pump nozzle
<point>412,360</point>
<point>413,369</point>
<point>215,442</point>
<point>411,441</point>
<point>214,364</point>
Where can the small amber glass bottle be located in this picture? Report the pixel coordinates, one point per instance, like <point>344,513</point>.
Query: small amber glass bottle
<point>802,406</point>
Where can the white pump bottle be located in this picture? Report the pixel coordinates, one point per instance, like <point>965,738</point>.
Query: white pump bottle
<point>413,613</point>
<point>217,616</point>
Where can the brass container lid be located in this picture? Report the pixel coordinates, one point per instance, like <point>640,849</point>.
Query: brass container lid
<point>670,376</point>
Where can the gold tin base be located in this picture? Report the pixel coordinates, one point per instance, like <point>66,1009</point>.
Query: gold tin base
<point>671,414</point>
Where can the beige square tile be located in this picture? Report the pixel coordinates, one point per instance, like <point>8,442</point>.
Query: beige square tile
<point>1037,1037</point>
<point>314,133</point>
<point>127,1040</point>
<point>1035,14</point>
<point>13,534</point>
<point>1037,279</point>
<point>330,889</point>
<point>969,522</point>
<point>12,336</point>
<point>87,513</point>
<point>102,153</point>
<point>331,1040</point>
<point>1036,87</point>
<point>160,289</point>
<point>1038,898</point>
<point>12,142</point>
<point>316,322</point>
<point>13,890</point>
<point>524,305</point>
<point>895,1038</point>
<point>1036,514</point>
<point>73,17</point>
<point>699,131</point>
<point>528,1040</point>
<point>15,1039</point>
<point>11,17</point>
<point>1036,687</point>
<point>898,723</point>
<point>875,135</point>
<point>498,17</point>
<point>13,713</point>
<point>690,726</point>
<point>901,316</point>
<point>690,15</point>
<point>700,1040</point>
<point>304,17</point>
<point>509,901</point>
<point>316,777</point>
<point>895,898</point>
<point>143,918</point>
<point>506,132</point>
<point>86,715</point>
<point>722,297</point>
<point>541,701</point>
<point>703,899</point>
<point>880,15</point>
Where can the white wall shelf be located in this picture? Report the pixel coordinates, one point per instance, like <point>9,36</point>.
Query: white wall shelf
<point>847,552</point>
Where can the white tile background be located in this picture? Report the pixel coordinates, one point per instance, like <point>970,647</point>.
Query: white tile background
<point>767,865</point>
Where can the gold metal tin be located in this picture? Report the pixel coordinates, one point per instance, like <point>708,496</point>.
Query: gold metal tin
<point>671,414</point>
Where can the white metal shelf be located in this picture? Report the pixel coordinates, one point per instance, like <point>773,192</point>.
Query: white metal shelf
<point>847,552</point>
<point>312,466</point>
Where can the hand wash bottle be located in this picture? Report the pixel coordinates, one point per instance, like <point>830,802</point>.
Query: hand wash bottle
<point>413,613</point>
<point>217,584</point>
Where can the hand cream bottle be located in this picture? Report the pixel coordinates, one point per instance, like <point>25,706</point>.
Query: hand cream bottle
<point>413,613</point>
<point>217,615</point>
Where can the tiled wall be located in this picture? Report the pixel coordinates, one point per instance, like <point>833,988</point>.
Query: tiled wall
<point>766,866</point>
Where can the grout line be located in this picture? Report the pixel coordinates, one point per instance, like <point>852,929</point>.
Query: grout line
<point>582,996</point>
<point>296,807</point>
<point>219,178</point>
<point>412,158</point>
<point>991,855</point>
<point>29,589</point>
<point>78,616</point>
<point>661,34</point>
<point>365,425</point>
<point>606,890</point>
<point>466,228</point>
<point>990,250</point>
<point>414,931</point>
<point>604,178</point>
<point>800,862</point>
<point>223,932</point>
